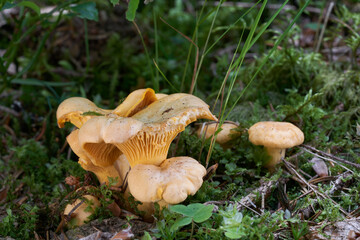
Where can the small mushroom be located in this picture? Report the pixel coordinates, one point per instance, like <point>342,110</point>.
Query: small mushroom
<point>81,209</point>
<point>172,181</point>
<point>275,137</point>
<point>223,137</point>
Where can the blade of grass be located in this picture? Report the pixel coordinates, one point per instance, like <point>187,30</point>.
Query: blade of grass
<point>162,74</point>
<point>239,61</point>
<point>87,51</point>
<point>191,46</point>
<point>190,40</point>
<point>230,27</point>
<point>193,83</point>
<point>154,81</point>
<point>237,66</point>
<point>277,43</point>
<point>263,29</point>
<point>37,82</point>
<point>157,88</point>
<point>228,71</point>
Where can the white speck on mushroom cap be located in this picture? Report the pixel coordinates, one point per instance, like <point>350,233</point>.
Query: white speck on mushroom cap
<point>275,134</point>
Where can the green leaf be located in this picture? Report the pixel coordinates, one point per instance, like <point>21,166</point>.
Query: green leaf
<point>86,10</point>
<point>7,5</point>
<point>233,233</point>
<point>197,211</point>
<point>130,13</point>
<point>182,209</point>
<point>90,113</point>
<point>31,5</point>
<point>203,214</point>
<point>180,223</point>
<point>114,2</point>
<point>146,236</point>
<point>37,82</point>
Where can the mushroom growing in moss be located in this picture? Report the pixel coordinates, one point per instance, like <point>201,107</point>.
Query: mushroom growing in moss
<point>276,137</point>
<point>208,129</point>
<point>81,209</point>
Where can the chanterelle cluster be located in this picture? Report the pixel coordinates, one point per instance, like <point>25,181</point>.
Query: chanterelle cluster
<point>140,131</point>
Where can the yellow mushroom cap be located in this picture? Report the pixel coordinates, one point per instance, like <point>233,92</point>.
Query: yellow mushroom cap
<point>174,111</point>
<point>160,95</point>
<point>82,213</point>
<point>162,121</point>
<point>72,110</point>
<point>222,137</point>
<point>172,181</point>
<point>78,110</point>
<point>275,134</point>
<point>135,102</point>
<point>96,137</point>
<point>142,127</point>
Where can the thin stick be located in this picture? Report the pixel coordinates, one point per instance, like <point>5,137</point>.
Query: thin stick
<point>327,159</point>
<point>197,54</point>
<point>330,156</point>
<point>324,26</point>
<point>317,193</point>
<point>10,111</point>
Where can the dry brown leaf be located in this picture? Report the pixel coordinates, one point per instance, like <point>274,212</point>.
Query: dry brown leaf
<point>319,167</point>
<point>71,180</point>
<point>123,234</point>
<point>115,209</point>
<point>3,193</point>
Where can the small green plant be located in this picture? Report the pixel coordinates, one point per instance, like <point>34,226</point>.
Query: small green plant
<point>21,225</point>
<point>179,216</point>
<point>299,230</point>
<point>240,226</point>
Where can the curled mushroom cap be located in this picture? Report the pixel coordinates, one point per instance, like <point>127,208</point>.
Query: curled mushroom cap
<point>145,137</point>
<point>172,181</point>
<point>275,137</point>
<point>78,110</point>
<point>83,211</point>
<point>223,137</point>
<point>162,121</point>
<point>74,110</point>
<point>102,173</point>
<point>96,137</point>
<point>135,102</point>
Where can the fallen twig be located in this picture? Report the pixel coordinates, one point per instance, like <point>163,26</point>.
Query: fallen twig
<point>313,188</point>
<point>10,111</point>
<point>248,200</point>
<point>303,146</point>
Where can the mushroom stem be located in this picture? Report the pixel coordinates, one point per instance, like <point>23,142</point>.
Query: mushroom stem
<point>102,173</point>
<point>276,154</point>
